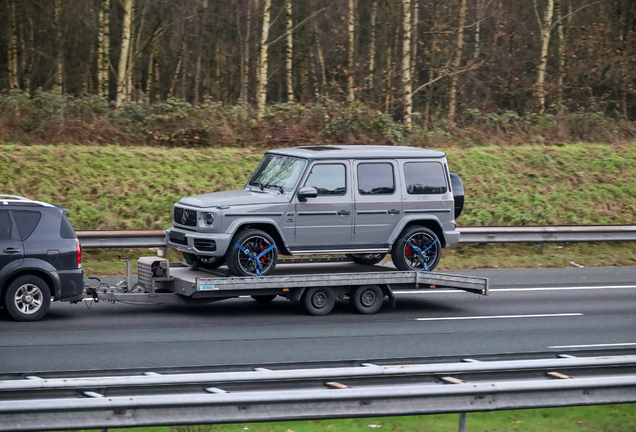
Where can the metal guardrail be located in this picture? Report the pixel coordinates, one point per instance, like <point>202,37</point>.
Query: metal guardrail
<point>533,234</point>
<point>367,390</point>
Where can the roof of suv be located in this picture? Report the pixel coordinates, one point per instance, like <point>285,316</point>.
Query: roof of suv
<point>358,152</point>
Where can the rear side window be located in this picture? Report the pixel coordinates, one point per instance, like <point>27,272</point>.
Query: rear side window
<point>66,230</point>
<point>375,179</point>
<point>26,221</point>
<point>5,226</point>
<point>424,178</point>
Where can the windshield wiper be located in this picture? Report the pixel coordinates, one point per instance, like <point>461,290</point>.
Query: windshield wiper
<point>260,185</point>
<point>280,188</point>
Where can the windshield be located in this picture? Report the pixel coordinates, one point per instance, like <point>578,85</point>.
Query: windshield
<point>278,172</point>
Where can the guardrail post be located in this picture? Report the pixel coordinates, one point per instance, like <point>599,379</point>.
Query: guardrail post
<point>462,423</point>
<point>541,248</point>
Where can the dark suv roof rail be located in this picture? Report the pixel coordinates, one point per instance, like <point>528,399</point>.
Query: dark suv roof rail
<point>16,197</point>
<point>20,200</point>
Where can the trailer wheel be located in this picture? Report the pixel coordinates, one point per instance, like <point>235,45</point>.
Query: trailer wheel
<point>319,300</point>
<point>208,263</point>
<point>264,298</point>
<point>27,299</point>
<point>367,299</point>
<point>406,258</point>
<point>256,242</point>
<point>367,259</point>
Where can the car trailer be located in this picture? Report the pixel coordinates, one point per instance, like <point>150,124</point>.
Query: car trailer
<point>314,282</point>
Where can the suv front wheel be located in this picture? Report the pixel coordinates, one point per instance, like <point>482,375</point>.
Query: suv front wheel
<point>253,252</point>
<point>27,298</point>
<point>418,248</point>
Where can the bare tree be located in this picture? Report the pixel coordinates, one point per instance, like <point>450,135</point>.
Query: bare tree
<point>103,56</point>
<point>289,50</point>
<point>406,63</point>
<point>262,64</point>
<point>351,31</point>
<point>452,98</point>
<point>545,25</point>
<point>122,71</point>
<point>58,75</point>
<point>12,50</point>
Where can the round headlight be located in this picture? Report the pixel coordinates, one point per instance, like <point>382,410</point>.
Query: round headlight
<point>208,219</point>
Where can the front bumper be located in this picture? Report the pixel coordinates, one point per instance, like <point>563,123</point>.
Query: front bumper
<point>203,244</point>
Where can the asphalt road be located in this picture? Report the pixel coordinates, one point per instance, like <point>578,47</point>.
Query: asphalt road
<point>526,311</point>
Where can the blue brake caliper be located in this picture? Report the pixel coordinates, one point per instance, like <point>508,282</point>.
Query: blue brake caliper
<point>256,258</point>
<point>421,252</point>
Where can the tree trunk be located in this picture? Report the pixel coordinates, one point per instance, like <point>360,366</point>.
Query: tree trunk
<point>177,72</point>
<point>58,74</point>
<point>131,57</point>
<point>561,71</point>
<point>103,56</point>
<point>374,16</point>
<point>245,61</point>
<point>388,97</point>
<point>351,50</point>
<point>122,76</point>
<point>289,51</point>
<point>545,25</point>
<point>452,98</point>
<point>479,13</point>
<point>199,65</point>
<point>152,76</point>
<point>406,63</point>
<point>262,64</point>
<point>12,50</point>
<point>414,36</point>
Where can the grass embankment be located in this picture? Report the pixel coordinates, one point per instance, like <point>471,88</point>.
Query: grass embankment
<point>112,187</point>
<point>604,418</point>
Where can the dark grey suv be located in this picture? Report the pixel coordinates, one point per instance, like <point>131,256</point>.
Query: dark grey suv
<point>40,258</point>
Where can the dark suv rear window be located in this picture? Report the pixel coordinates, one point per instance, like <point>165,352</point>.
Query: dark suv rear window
<point>5,226</point>
<point>26,221</point>
<point>66,230</point>
<point>424,178</point>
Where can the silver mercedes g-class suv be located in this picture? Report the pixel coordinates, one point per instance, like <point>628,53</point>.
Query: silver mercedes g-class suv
<point>362,201</point>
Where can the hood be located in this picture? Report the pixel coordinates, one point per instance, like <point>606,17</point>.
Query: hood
<point>234,198</point>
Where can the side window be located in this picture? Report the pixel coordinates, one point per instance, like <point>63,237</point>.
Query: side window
<point>26,221</point>
<point>5,226</point>
<point>424,178</point>
<point>376,179</point>
<point>66,229</point>
<point>328,179</point>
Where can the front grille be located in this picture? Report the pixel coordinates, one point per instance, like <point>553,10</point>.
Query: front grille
<point>190,217</point>
<point>174,239</point>
<point>205,245</point>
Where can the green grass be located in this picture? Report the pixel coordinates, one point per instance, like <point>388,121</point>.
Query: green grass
<point>112,187</point>
<point>602,418</point>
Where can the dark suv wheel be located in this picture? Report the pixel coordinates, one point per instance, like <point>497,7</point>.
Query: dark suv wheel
<point>27,298</point>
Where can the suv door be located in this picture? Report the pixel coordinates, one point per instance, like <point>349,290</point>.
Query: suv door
<point>378,201</point>
<point>326,220</point>
<point>11,249</point>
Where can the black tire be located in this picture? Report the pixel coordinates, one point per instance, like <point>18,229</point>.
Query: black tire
<point>406,259</point>
<point>367,259</point>
<point>367,299</point>
<point>208,263</point>
<point>255,241</point>
<point>264,298</point>
<point>319,300</point>
<point>27,298</point>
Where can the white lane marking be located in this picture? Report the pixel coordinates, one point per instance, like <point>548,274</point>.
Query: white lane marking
<point>594,345</point>
<point>453,291</point>
<point>499,316</point>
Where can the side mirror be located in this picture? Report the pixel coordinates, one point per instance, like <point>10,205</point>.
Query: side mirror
<point>307,192</point>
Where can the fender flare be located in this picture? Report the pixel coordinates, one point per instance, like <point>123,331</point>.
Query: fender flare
<point>415,218</point>
<point>31,266</point>
<point>236,225</point>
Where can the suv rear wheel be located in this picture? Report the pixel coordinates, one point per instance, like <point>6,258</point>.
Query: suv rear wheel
<point>27,298</point>
<point>418,248</point>
<point>252,253</point>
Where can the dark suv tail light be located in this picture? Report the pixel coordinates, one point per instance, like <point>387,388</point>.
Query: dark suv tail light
<point>79,255</point>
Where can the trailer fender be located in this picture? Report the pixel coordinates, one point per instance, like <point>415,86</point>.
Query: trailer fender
<point>297,294</point>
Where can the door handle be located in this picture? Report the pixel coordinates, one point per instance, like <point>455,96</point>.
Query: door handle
<point>344,213</point>
<point>11,250</point>
<point>394,212</point>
